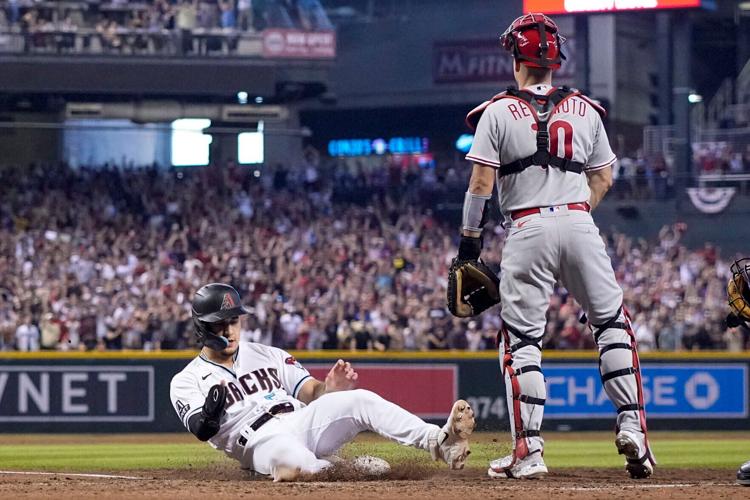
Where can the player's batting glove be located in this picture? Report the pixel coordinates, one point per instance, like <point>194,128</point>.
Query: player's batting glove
<point>472,286</point>
<point>215,402</point>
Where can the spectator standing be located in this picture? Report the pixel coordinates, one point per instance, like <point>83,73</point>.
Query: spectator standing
<point>27,335</point>
<point>245,15</point>
<point>228,17</point>
<point>186,20</point>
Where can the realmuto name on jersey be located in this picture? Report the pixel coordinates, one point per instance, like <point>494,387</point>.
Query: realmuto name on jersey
<point>262,379</point>
<point>572,106</point>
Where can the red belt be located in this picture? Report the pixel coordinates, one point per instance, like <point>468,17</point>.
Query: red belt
<point>585,207</point>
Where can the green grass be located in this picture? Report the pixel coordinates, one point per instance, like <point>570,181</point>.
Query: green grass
<point>589,453</point>
<point>561,451</point>
<point>107,457</point>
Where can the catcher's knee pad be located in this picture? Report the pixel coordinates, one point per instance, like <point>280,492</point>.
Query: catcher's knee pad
<point>525,391</point>
<point>620,370</point>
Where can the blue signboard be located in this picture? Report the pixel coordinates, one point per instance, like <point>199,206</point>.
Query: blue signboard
<point>380,146</point>
<point>670,391</point>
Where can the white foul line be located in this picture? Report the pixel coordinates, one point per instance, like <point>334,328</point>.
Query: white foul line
<point>636,486</point>
<point>101,476</point>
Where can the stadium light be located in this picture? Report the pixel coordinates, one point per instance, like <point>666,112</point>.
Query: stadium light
<point>242,97</point>
<point>694,98</point>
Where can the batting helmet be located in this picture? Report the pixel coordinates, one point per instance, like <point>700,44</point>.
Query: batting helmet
<point>534,40</point>
<point>214,303</point>
<point>738,289</point>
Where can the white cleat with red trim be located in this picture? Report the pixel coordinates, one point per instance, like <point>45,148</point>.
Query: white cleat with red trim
<point>639,459</point>
<point>530,467</point>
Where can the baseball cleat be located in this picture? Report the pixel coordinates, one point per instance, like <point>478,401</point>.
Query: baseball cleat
<point>530,467</point>
<point>639,460</point>
<point>452,443</point>
<point>743,475</point>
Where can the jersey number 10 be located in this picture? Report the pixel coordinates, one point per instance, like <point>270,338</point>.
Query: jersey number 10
<point>567,131</point>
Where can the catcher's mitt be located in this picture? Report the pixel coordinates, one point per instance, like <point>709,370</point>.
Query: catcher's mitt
<point>738,291</point>
<point>472,286</point>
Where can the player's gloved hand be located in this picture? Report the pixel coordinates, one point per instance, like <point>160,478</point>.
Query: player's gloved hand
<point>472,286</point>
<point>215,401</point>
<point>342,377</point>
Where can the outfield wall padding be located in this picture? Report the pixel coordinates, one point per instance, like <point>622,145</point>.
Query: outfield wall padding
<point>129,391</point>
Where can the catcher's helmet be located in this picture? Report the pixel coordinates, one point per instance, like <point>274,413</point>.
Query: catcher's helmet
<point>738,289</point>
<point>214,303</point>
<point>534,40</point>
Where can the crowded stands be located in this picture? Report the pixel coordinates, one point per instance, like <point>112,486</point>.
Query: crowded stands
<point>108,258</point>
<point>150,27</point>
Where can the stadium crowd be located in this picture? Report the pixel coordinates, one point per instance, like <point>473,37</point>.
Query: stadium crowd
<point>644,176</point>
<point>109,258</point>
<point>161,26</point>
<point>246,15</point>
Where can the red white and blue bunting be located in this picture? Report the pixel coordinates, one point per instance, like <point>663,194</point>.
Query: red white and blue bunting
<point>711,200</point>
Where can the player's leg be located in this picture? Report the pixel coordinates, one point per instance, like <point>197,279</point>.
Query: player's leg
<point>586,271</point>
<point>334,419</point>
<point>529,266</point>
<point>282,454</point>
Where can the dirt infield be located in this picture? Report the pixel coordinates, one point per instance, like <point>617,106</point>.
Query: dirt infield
<point>567,483</point>
<point>408,480</point>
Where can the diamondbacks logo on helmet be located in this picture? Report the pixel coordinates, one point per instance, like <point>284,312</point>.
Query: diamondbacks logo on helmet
<point>228,302</point>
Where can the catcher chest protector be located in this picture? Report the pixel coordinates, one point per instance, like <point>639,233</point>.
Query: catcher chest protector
<point>540,106</point>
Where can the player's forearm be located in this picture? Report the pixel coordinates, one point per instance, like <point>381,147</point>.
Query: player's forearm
<point>311,391</point>
<point>481,184</point>
<point>600,181</point>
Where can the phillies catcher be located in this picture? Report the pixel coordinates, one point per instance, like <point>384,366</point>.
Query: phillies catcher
<point>549,152</point>
<point>261,407</point>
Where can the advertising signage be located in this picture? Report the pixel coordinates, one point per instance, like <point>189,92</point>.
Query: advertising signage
<point>483,61</point>
<point>670,391</point>
<point>380,146</point>
<point>576,6</point>
<point>54,393</point>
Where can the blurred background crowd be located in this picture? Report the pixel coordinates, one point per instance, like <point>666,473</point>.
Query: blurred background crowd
<point>152,25</point>
<point>108,258</point>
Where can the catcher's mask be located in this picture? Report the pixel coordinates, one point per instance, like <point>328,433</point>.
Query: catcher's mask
<point>738,288</point>
<point>534,40</point>
<point>213,304</point>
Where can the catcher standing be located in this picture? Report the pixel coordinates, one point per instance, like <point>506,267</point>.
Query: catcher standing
<point>549,152</point>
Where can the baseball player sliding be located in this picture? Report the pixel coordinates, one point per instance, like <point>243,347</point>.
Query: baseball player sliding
<point>549,152</point>
<point>261,406</point>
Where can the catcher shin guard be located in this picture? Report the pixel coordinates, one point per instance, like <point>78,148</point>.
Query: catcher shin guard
<point>621,376</point>
<point>525,392</point>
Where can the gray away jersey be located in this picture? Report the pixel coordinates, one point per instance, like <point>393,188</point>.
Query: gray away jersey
<point>262,376</point>
<point>507,132</point>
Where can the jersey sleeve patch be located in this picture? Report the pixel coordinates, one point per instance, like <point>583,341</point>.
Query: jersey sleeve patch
<point>182,409</point>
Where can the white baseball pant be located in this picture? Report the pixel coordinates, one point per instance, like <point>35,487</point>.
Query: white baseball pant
<point>299,439</point>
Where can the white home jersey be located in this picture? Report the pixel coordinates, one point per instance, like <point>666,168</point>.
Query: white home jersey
<point>507,132</point>
<point>262,376</point>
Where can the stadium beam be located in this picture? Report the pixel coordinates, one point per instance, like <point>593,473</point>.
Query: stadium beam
<point>582,53</point>
<point>681,66</point>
